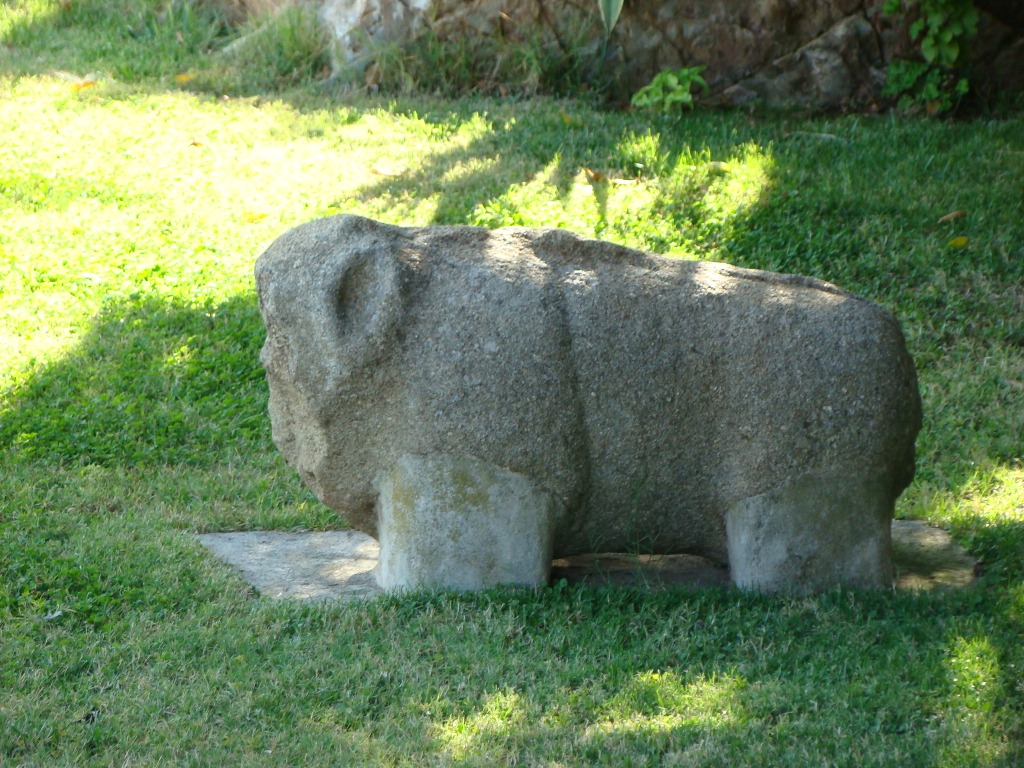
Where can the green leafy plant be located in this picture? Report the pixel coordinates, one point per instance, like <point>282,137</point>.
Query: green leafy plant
<point>939,29</point>
<point>610,10</point>
<point>670,89</point>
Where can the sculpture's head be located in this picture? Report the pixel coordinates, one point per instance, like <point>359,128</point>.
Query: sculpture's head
<point>336,309</point>
<point>384,341</point>
<point>330,296</point>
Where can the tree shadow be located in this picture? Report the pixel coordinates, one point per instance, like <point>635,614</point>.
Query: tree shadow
<point>612,676</point>
<point>152,382</point>
<point>555,143</point>
<point>559,143</point>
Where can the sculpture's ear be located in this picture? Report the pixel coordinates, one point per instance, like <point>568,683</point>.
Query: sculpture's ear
<point>367,305</point>
<point>330,293</point>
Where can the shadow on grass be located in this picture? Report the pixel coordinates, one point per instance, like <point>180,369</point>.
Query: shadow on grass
<point>693,680</point>
<point>560,143</point>
<point>152,382</point>
<point>145,52</point>
<point>575,677</point>
<point>620,677</point>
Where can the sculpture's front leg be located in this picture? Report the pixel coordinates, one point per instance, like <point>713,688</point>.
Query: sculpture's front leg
<point>455,522</point>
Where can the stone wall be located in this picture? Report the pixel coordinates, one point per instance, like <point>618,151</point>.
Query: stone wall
<point>777,52</point>
<point>816,54</point>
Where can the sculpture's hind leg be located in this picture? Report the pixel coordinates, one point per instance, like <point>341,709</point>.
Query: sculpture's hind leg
<point>823,529</point>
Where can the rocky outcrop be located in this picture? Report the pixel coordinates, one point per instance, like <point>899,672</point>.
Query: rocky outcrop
<point>840,69</point>
<point>780,53</point>
<point>813,54</point>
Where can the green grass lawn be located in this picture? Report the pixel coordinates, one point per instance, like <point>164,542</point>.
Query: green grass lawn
<point>140,178</point>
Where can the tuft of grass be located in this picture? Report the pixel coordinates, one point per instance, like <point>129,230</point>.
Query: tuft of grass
<point>124,40</point>
<point>512,63</point>
<point>286,49</point>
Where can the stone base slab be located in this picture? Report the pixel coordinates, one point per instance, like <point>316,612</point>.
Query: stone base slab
<point>332,565</point>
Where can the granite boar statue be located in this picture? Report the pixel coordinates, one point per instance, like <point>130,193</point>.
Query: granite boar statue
<point>483,401</point>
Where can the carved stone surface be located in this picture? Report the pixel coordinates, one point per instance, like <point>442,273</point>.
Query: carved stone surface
<point>624,402</point>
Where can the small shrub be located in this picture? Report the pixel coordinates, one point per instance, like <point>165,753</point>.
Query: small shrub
<point>940,29</point>
<point>670,89</point>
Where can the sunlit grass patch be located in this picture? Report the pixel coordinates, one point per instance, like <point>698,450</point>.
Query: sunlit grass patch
<point>652,711</point>
<point>706,197</point>
<point>989,515</point>
<point>998,496</point>
<point>976,687</point>
<point>495,732</point>
<point>184,193</point>
<point>555,196</point>
<point>686,211</point>
<point>744,180</point>
<point>974,675</point>
<point>658,700</point>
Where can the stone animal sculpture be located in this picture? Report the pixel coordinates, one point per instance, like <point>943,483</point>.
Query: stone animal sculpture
<point>483,401</point>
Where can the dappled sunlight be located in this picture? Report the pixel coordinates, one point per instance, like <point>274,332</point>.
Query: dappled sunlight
<point>112,195</point>
<point>390,150</point>
<point>685,213</point>
<point>470,167</point>
<point>972,396</point>
<point>551,198</point>
<point>686,201</point>
<point>132,223</point>
<point>403,209</point>
<point>206,163</point>
<point>655,701</point>
<point>642,154</point>
<point>737,183</point>
<point>997,496</point>
<point>692,209</point>
<point>652,707</point>
<point>969,718</point>
<point>640,190</point>
<point>503,718</point>
<point>973,666</point>
<point>990,497</point>
<point>179,358</point>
